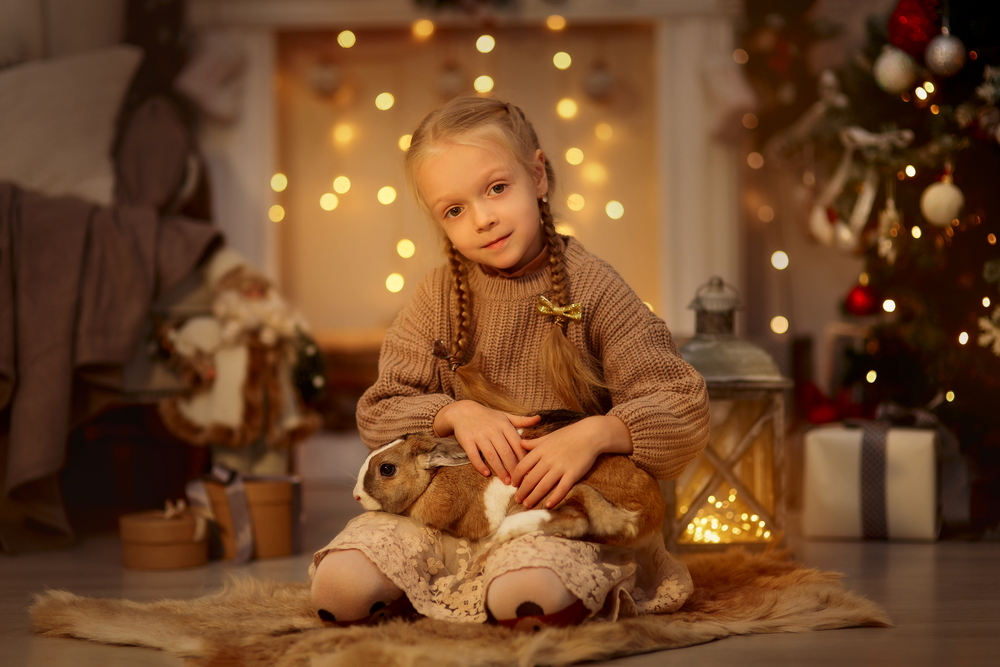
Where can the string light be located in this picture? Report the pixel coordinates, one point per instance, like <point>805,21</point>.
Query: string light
<point>963,338</point>
<point>604,132</point>
<point>928,86</point>
<point>905,96</point>
<point>779,260</point>
<point>565,229</point>
<point>562,60</point>
<point>341,184</point>
<point>741,57</point>
<point>911,171</point>
<point>986,302</point>
<point>566,108</point>
<point>920,93</point>
<point>406,248</point>
<point>276,213</point>
<point>485,43</point>
<point>343,133</point>
<point>871,377</point>
<point>991,239</point>
<point>863,278</point>
<point>888,305</point>
<point>755,160</point>
<point>328,201</point>
<point>595,172</point>
<point>404,142</point>
<point>614,209</point>
<point>779,324</point>
<point>950,396</point>
<point>346,39</point>
<point>394,282</point>
<point>574,156</point>
<point>385,101</point>
<point>555,22</point>
<point>279,182</point>
<point>749,121</point>
<point>483,84</point>
<point>423,28</point>
<point>387,195</point>
<point>915,232</point>
<point>575,202</point>
<point>765,213</point>
<point>935,109</point>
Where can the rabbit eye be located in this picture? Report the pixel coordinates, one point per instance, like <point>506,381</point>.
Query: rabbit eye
<point>387,470</point>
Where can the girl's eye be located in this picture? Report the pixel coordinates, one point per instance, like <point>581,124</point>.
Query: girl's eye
<point>452,212</point>
<point>498,188</point>
<point>387,470</point>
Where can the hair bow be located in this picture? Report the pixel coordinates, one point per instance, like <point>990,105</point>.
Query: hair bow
<point>571,312</point>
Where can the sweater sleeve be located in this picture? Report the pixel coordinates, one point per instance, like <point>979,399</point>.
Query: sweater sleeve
<point>660,397</point>
<point>408,393</point>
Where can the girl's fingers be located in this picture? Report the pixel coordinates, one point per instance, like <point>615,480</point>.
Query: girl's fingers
<point>493,460</point>
<point>543,487</point>
<point>520,421</point>
<point>510,453</point>
<point>562,488</point>
<point>477,461</point>
<point>528,484</point>
<point>520,472</point>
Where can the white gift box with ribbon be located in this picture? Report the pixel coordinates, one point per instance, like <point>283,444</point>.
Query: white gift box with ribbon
<point>841,501</point>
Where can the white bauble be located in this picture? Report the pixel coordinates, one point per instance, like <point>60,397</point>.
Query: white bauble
<point>894,70</point>
<point>819,225</point>
<point>941,203</point>
<point>945,55</point>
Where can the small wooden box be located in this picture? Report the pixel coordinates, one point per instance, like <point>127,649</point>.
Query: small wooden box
<point>152,542</point>
<point>272,514</point>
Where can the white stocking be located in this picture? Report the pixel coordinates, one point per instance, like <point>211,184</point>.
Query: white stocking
<point>348,587</point>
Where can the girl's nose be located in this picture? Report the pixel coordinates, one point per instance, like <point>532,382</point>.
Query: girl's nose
<point>485,219</point>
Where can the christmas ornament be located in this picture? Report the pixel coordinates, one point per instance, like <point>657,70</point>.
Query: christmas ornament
<point>862,300</point>
<point>889,224</point>
<point>894,71</point>
<point>945,54</point>
<point>912,25</point>
<point>941,202</point>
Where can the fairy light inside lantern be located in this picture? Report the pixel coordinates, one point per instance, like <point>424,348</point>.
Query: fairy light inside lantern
<point>574,156</point>
<point>604,132</point>
<point>614,209</point>
<point>328,201</point>
<point>279,182</point>
<point>566,108</point>
<point>483,84</point>
<point>485,43</point>
<point>575,202</point>
<point>733,492</point>
<point>387,195</point>
<point>276,213</point>
<point>405,248</point>
<point>341,184</point>
<point>562,60</point>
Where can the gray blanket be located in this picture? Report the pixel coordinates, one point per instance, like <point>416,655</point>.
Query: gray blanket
<point>76,284</point>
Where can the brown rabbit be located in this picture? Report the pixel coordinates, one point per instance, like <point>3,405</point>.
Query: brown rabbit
<point>431,480</point>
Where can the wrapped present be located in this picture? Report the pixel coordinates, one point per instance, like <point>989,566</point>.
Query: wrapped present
<point>155,540</point>
<point>255,516</point>
<point>871,482</point>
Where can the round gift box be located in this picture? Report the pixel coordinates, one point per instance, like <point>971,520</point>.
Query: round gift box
<point>152,542</point>
<point>270,504</point>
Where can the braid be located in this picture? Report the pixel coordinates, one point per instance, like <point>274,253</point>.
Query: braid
<point>557,261</point>
<point>460,281</point>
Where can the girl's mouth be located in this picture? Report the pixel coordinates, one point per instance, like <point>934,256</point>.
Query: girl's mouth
<point>496,245</point>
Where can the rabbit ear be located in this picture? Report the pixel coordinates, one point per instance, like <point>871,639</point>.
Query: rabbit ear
<point>445,452</point>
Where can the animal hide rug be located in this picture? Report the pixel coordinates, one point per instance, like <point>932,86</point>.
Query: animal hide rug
<point>257,623</point>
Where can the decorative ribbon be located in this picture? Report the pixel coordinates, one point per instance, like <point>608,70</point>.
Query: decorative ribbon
<point>572,312</point>
<point>236,498</point>
<point>200,515</point>
<point>954,479</point>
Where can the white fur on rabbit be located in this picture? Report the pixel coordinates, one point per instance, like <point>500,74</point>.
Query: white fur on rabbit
<point>430,480</point>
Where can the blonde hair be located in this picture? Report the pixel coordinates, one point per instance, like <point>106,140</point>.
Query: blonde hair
<point>568,370</point>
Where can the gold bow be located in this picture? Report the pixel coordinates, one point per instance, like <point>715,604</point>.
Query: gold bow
<point>572,312</point>
<point>200,515</point>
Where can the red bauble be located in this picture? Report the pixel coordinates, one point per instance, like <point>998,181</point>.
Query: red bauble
<point>861,300</point>
<point>912,25</point>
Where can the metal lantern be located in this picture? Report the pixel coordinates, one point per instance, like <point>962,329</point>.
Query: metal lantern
<point>734,491</point>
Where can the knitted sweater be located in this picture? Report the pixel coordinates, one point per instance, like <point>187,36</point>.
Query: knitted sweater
<point>658,395</point>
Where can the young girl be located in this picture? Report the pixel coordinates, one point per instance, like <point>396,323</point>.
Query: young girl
<point>520,319</point>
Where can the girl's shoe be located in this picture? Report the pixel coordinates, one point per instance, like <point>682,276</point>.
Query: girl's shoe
<point>571,615</point>
<point>401,607</point>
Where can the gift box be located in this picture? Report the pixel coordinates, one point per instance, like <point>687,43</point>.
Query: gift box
<point>255,517</point>
<point>871,481</point>
<point>168,540</point>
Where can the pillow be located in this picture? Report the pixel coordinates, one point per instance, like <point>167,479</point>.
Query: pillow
<point>57,122</point>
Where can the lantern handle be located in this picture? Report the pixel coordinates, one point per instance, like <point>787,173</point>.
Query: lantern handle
<point>718,285</point>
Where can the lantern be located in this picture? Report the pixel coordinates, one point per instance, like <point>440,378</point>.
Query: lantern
<point>733,493</point>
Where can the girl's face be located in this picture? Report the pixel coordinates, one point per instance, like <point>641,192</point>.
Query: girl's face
<point>486,203</point>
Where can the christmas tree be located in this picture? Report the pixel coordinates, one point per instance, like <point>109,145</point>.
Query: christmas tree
<point>911,144</point>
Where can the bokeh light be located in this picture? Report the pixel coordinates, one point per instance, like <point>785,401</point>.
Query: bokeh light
<point>394,282</point>
<point>341,184</point>
<point>915,232</point>
<point>562,60</point>
<point>950,396</point>
<point>963,338</point>
<point>385,101</point>
<point>604,132</point>
<point>574,156</point>
<point>565,229</point>
<point>749,121</point>
<point>888,305</point>
<point>483,84</point>
<point>575,202</point>
<point>346,39</point>
<point>741,57</point>
<point>328,201</point>
<point>765,213</point>
<point>614,209</point>
<point>406,248</point>
<point>276,213</point>
<point>566,108</point>
<point>871,376</point>
<point>279,182</point>
<point>423,28</point>
<point>779,324</point>
<point>555,22</point>
<point>779,260</point>
<point>404,142</point>
<point>343,133</point>
<point>755,160</point>
<point>387,195</point>
<point>485,43</point>
<point>910,170</point>
<point>595,172</point>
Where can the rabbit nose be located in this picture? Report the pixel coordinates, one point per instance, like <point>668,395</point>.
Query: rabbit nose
<point>357,496</point>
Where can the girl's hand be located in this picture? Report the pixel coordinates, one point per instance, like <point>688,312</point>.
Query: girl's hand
<point>557,461</point>
<point>485,434</point>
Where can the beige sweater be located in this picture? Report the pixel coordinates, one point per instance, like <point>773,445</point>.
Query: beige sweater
<point>659,396</point>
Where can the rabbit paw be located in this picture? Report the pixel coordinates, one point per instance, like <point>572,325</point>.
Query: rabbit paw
<point>522,523</point>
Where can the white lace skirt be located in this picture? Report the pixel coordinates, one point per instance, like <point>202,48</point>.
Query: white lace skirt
<point>446,577</point>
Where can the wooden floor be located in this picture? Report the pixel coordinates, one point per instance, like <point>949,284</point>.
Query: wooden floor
<point>944,599</point>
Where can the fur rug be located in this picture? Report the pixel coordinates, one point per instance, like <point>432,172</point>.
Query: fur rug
<point>258,623</point>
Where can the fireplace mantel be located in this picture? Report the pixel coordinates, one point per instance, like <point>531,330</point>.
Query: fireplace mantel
<point>696,174</point>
